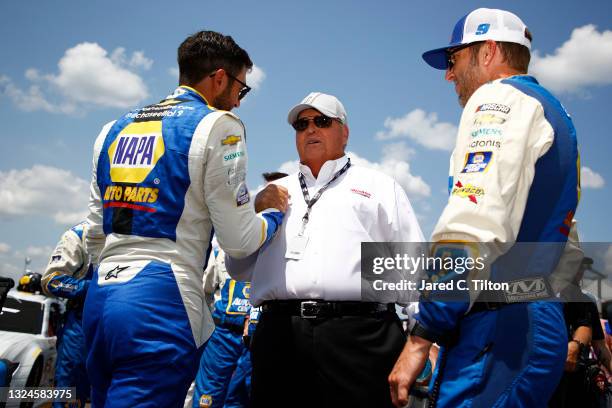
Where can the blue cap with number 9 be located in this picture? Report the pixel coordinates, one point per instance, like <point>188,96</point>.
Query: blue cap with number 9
<point>480,25</point>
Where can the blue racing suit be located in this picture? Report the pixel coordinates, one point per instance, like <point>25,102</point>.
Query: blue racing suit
<point>163,177</point>
<point>225,346</point>
<point>514,178</point>
<point>239,389</point>
<point>68,276</point>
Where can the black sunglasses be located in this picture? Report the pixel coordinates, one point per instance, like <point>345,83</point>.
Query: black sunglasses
<point>450,60</point>
<point>320,121</point>
<point>245,88</point>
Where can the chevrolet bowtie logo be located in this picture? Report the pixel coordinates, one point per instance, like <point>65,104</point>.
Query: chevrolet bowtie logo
<point>113,273</point>
<point>231,140</point>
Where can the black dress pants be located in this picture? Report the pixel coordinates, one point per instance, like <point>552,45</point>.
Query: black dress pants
<point>324,362</point>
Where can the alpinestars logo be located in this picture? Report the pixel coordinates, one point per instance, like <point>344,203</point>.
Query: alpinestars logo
<point>114,273</point>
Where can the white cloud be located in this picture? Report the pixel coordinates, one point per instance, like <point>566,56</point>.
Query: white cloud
<point>174,72</point>
<point>590,179</point>
<point>44,190</point>
<point>138,59</point>
<point>393,163</point>
<point>421,127</point>
<point>87,76</point>
<point>12,264</point>
<point>4,248</point>
<point>32,99</point>
<point>255,77</point>
<point>582,61</point>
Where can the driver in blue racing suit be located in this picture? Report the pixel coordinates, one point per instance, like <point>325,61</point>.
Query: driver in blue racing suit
<point>224,348</point>
<point>68,276</point>
<point>163,177</point>
<point>514,179</point>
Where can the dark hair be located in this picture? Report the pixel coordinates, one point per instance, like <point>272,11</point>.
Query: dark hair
<point>275,175</point>
<point>516,55</point>
<point>205,51</point>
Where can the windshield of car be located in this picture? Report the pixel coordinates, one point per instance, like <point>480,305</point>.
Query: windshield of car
<point>22,316</point>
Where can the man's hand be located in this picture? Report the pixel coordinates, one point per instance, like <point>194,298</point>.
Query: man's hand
<point>407,368</point>
<point>573,353</point>
<point>272,196</point>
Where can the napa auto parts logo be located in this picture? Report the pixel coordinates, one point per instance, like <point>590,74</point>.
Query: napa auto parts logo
<point>135,152</point>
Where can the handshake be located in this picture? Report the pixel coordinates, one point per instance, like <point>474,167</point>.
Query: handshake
<point>272,196</point>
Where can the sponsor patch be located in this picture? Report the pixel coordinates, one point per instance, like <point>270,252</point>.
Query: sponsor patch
<point>242,196</point>
<point>135,152</point>
<point>131,194</point>
<point>496,107</point>
<point>235,176</point>
<point>469,191</point>
<point>112,273</point>
<point>56,258</point>
<point>206,401</point>
<point>233,155</point>
<point>527,289</point>
<point>486,132</point>
<point>361,192</point>
<point>231,140</point>
<point>489,119</point>
<point>476,162</point>
<point>486,143</point>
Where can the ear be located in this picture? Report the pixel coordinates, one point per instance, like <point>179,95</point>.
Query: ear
<point>219,78</point>
<point>488,52</point>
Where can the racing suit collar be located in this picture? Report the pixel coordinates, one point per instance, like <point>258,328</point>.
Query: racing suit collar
<point>190,89</point>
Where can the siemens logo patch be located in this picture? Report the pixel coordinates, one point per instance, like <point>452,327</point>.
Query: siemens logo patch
<point>486,132</point>
<point>496,107</point>
<point>233,155</point>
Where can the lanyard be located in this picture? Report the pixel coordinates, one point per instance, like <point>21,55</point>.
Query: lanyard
<point>311,202</point>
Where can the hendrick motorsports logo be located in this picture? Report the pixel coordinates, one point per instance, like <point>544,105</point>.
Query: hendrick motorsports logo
<point>526,290</point>
<point>135,152</point>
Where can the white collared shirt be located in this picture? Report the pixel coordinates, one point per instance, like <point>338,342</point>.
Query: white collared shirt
<point>362,205</point>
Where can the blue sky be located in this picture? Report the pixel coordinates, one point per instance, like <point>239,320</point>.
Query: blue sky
<point>68,67</point>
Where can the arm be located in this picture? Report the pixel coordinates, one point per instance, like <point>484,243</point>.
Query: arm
<point>95,237</point>
<point>239,230</point>
<point>580,339</point>
<point>69,258</point>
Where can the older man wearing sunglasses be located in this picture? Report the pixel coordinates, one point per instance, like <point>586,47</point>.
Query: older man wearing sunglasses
<point>317,342</point>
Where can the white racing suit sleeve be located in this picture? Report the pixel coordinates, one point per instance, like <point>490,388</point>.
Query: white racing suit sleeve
<point>239,230</point>
<point>63,275</point>
<point>95,238</point>
<point>502,134</point>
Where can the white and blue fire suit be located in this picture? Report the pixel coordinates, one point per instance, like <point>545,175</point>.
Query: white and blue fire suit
<point>224,348</point>
<point>514,177</point>
<point>163,177</point>
<point>68,276</point>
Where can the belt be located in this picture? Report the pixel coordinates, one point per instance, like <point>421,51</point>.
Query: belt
<point>312,309</point>
<point>234,328</point>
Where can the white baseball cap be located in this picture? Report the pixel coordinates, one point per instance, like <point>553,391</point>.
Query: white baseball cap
<point>480,25</point>
<point>328,105</point>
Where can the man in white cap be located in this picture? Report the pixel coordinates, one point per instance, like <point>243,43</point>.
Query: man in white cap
<point>513,179</point>
<point>317,342</point>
